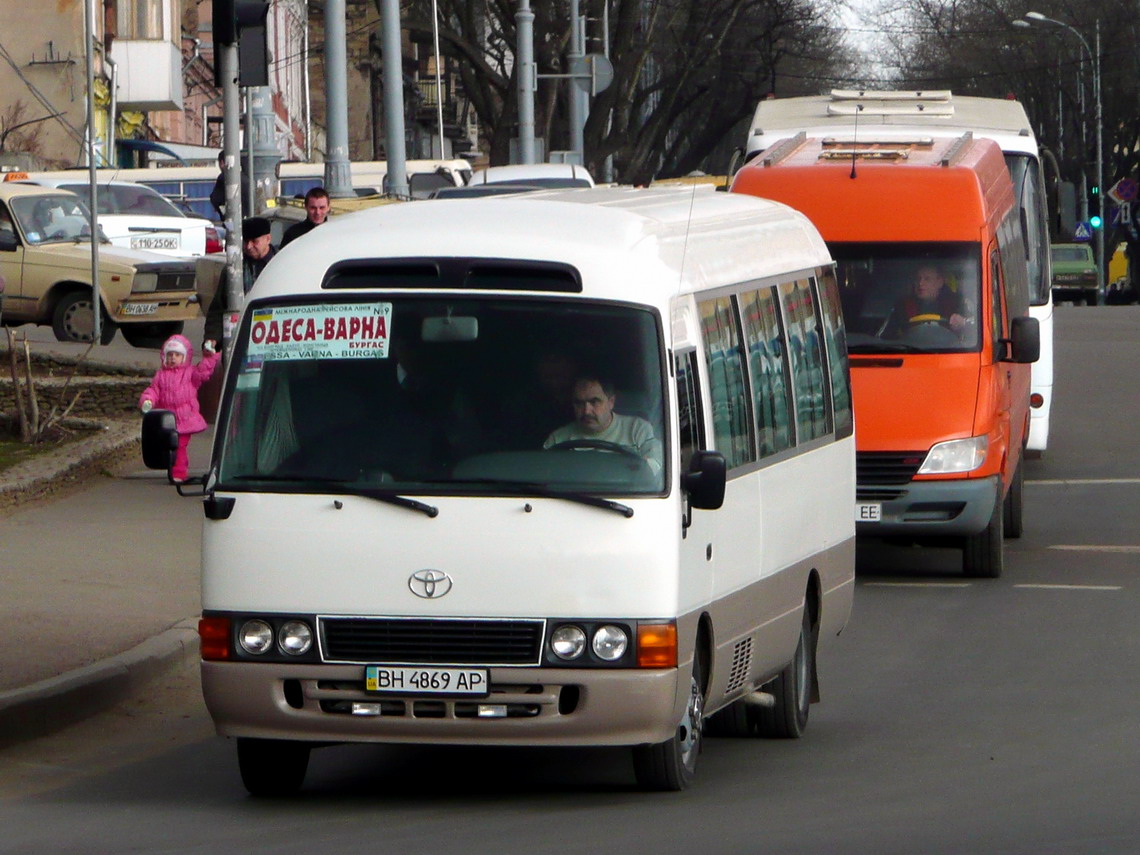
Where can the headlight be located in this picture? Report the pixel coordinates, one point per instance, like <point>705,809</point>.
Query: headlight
<point>256,636</point>
<point>610,642</point>
<point>144,283</point>
<point>955,455</point>
<point>568,641</point>
<point>295,637</point>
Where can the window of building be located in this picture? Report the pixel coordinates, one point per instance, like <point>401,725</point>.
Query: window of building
<point>140,19</point>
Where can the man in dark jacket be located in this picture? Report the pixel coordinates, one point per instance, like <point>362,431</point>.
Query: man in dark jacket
<point>316,212</point>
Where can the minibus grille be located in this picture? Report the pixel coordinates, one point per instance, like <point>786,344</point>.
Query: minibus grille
<point>886,467</point>
<point>445,641</point>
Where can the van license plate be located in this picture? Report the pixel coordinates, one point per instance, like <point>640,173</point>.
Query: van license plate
<point>409,680</point>
<point>868,511</point>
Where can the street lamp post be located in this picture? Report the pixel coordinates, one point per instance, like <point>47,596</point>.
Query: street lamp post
<point>1094,61</point>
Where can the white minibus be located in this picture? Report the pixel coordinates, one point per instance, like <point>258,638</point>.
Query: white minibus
<point>869,116</point>
<point>572,468</point>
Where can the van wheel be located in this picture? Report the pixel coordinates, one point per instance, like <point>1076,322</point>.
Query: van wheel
<point>74,320</point>
<point>787,718</point>
<point>672,764</point>
<point>982,554</point>
<point>151,335</point>
<point>272,767</point>
<point>1011,507</point>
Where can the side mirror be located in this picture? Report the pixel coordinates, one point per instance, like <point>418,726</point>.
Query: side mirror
<point>705,480</point>
<point>159,439</point>
<point>1024,340</point>
<point>8,241</point>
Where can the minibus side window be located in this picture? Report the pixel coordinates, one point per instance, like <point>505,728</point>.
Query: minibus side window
<point>727,384</point>
<point>690,419</point>
<point>836,354</point>
<point>768,369</point>
<point>806,347</point>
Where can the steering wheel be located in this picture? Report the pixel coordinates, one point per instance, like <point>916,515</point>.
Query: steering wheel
<point>930,318</point>
<point>595,445</point>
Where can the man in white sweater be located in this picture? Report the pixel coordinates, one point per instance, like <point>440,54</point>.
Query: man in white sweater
<point>593,399</point>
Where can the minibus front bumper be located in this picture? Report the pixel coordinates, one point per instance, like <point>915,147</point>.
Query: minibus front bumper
<point>929,508</point>
<point>526,706</point>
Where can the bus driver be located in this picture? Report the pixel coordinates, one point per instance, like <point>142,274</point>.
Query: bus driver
<point>593,399</point>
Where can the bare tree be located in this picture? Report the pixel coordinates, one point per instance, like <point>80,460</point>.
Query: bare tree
<point>687,73</point>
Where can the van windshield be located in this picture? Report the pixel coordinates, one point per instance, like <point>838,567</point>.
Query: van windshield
<point>910,297</point>
<point>491,396</point>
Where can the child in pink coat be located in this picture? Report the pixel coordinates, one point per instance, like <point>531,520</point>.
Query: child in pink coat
<point>175,388</point>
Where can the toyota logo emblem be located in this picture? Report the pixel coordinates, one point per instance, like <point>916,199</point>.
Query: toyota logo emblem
<point>429,584</point>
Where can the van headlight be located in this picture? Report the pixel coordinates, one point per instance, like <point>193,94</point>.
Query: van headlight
<point>955,455</point>
<point>256,637</point>
<point>610,642</point>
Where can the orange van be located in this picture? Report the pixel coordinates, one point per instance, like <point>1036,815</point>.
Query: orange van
<point>934,284</point>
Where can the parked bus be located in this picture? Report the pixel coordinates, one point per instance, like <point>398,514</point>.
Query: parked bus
<point>572,468</point>
<point>935,292</point>
<point>867,116</point>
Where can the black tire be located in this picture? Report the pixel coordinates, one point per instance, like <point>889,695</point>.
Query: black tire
<point>272,767</point>
<point>787,718</point>
<point>982,554</point>
<point>151,335</point>
<point>1012,522</point>
<point>732,721</point>
<point>672,765</point>
<point>73,320</point>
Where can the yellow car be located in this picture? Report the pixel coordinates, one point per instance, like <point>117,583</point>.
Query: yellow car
<point>45,261</point>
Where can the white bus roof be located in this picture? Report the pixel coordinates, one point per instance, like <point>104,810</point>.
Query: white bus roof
<point>642,245</point>
<point>891,116</point>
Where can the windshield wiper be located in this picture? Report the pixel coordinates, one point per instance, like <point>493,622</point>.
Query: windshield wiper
<point>547,493</point>
<point>885,347</point>
<point>345,487</point>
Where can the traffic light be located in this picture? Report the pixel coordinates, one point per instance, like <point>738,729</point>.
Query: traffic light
<point>1095,221</point>
<point>230,17</point>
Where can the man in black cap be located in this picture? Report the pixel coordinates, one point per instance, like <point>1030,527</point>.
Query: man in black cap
<point>256,247</point>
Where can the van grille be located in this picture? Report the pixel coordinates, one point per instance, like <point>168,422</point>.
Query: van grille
<point>874,468</point>
<point>416,641</point>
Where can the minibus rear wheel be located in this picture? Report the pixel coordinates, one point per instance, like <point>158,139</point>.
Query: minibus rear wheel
<point>787,718</point>
<point>672,764</point>
<point>272,767</point>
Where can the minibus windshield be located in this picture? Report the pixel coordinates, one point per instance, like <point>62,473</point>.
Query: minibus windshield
<point>910,297</point>
<point>455,395</point>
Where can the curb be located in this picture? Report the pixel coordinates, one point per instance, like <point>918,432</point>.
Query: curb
<point>55,703</point>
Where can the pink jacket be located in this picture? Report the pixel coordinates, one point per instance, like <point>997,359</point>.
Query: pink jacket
<point>177,388</point>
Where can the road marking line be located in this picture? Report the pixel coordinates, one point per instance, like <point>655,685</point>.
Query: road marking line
<point>1073,587</point>
<point>1078,482</point>
<point>917,584</point>
<point>1090,547</point>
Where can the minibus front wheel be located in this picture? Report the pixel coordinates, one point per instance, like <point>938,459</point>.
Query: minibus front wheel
<point>272,767</point>
<point>672,764</point>
<point>982,555</point>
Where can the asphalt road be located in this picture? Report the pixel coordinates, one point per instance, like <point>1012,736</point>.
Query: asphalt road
<point>958,716</point>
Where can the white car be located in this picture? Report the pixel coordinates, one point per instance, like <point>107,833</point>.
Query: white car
<point>545,175</point>
<point>136,217</point>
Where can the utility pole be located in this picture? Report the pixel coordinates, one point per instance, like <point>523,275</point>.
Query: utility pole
<point>394,98</point>
<point>526,80</point>
<point>577,55</point>
<point>227,57</point>
<point>338,169</point>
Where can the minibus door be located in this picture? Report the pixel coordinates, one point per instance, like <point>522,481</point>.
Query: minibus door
<point>697,526</point>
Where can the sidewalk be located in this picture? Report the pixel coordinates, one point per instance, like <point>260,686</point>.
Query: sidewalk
<point>99,584</point>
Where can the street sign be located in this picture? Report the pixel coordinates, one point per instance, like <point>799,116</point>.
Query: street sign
<point>1083,231</point>
<point>1124,190</point>
<point>594,70</point>
<point>1121,214</point>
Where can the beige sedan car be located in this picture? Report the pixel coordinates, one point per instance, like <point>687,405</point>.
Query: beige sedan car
<point>45,260</point>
